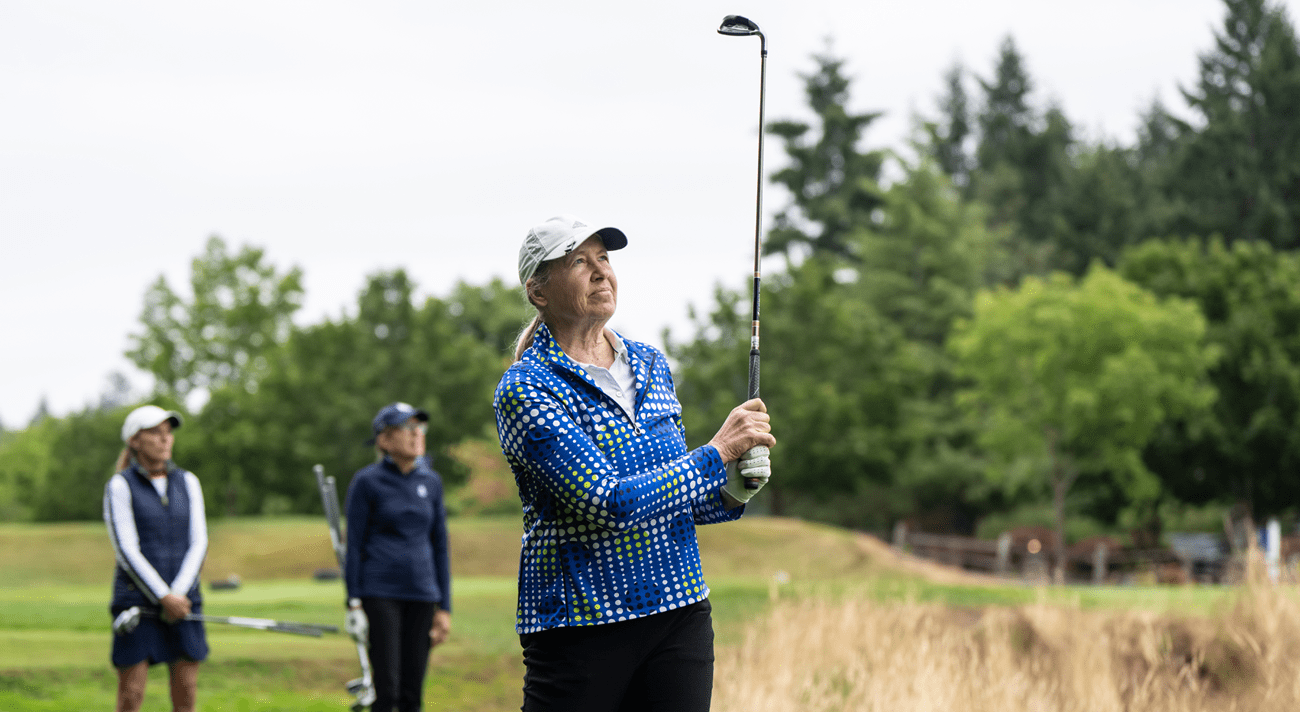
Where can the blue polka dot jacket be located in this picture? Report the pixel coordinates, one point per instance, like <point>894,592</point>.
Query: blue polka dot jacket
<point>610,502</point>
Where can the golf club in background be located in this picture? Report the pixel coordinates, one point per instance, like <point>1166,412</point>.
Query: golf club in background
<point>737,26</point>
<point>127,621</point>
<point>363,688</point>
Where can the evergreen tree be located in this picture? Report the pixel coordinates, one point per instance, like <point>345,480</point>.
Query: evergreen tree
<point>948,137</point>
<point>1238,175</point>
<point>1006,120</point>
<point>834,185</point>
<point>1022,168</point>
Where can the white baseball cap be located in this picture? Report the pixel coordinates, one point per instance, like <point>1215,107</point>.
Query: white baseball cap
<point>558,237</point>
<point>145,417</point>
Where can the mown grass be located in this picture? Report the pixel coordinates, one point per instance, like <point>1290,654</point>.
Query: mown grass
<point>54,622</point>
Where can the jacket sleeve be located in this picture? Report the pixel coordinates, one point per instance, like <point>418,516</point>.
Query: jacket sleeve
<point>188,574</point>
<point>540,438</point>
<point>357,509</point>
<point>709,507</point>
<point>438,538</point>
<point>119,516</point>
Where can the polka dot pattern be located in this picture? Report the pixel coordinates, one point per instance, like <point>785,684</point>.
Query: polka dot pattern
<point>610,503</point>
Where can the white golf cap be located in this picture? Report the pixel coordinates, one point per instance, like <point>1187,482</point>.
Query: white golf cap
<point>145,417</point>
<point>558,237</point>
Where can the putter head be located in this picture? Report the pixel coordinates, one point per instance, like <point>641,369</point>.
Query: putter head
<point>126,621</point>
<point>738,26</point>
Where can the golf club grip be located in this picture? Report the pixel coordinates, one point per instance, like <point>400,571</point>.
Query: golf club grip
<point>750,482</point>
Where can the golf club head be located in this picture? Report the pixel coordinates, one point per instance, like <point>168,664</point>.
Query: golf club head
<point>737,26</point>
<point>126,621</point>
<point>364,695</point>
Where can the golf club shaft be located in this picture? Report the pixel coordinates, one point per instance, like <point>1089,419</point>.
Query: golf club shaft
<point>754,358</point>
<point>311,629</point>
<point>128,619</point>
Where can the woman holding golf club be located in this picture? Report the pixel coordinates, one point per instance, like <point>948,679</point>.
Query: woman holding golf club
<point>154,512</point>
<point>613,610</point>
<point>398,575</point>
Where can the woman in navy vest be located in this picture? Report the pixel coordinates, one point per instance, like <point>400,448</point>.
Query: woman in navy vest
<point>398,575</point>
<point>155,518</point>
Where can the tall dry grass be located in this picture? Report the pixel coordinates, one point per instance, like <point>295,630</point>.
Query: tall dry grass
<point>819,655</point>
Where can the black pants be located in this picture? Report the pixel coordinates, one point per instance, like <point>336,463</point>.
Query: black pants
<point>399,651</point>
<point>661,662</point>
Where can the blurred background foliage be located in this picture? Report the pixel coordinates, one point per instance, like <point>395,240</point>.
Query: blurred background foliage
<point>1003,322</point>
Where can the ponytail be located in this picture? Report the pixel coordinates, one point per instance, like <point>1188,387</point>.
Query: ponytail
<point>535,282</point>
<point>123,459</point>
<point>525,339</point>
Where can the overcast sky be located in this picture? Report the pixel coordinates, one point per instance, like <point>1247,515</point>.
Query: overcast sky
<point>350,137</point>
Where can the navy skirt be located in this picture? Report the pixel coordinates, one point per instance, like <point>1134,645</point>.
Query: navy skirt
<point>158,642</point>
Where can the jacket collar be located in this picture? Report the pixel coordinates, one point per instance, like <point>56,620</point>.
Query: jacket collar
<point>547,350</point>
<point>140,472</point>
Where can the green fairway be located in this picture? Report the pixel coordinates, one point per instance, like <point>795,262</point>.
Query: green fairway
<point>55,627</point>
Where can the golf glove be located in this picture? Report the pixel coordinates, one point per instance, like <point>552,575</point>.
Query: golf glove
<point>356,624</point>
<point>753,465</point>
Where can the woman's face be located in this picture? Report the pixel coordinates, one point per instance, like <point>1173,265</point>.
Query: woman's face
<point>405,441</point>
<point>582,288</point>
<point>155,444</point>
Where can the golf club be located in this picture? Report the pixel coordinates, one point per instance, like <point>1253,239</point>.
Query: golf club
<point>737,26</point>
<point>127,621</point>
<point>363,688</point>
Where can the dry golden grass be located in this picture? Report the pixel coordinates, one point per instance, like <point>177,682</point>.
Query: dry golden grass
<point>819,655</point>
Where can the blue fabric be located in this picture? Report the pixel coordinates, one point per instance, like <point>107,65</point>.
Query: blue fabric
<point>609,505</point>
<point>164,531</point>
<point>397,535</point>
<point>158,642</point>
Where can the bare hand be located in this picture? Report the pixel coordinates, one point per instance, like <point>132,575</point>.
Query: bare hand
<point>441,628</point>
<point>746,426</point>
<point>174,607</point>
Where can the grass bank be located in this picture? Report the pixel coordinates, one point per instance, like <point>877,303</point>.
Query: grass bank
<point>54,636</point>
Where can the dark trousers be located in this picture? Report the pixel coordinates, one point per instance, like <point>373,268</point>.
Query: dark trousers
<point>662,662</point>
<point>399,651</point>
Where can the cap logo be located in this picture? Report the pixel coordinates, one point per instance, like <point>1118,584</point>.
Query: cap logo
<point>569,247</point>
<point>403,407</point>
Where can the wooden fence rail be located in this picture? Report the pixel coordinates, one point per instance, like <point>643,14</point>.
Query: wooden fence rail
<point>1009,555</point>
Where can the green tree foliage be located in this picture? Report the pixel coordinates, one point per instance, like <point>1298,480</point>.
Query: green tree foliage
<point>25,460</point>
<point>833,184</point>
<point>1247,448</point>
<point>949,136</point>
<point>854,371</point>
<point>1071,378</point>
<point>320,390</point>
<point>1023,166</point>
<point>239,310</point>
<point>832,368</point>
<point>83,450</point>
<point>1238,173</point>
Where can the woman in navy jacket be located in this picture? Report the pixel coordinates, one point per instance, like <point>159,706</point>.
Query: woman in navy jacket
<point>398,575</point>
<point>613,609</point>
<point>154,512</point>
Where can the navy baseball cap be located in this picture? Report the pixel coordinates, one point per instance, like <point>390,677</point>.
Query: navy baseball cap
<point>392,415</point>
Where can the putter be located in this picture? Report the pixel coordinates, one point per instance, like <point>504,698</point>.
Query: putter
<point>362,688</point>
<point>737,26</point>
<point>127,621</point>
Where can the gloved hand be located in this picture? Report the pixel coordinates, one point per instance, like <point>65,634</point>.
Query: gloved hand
<point>356,624</point>
<point>753,465</point>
